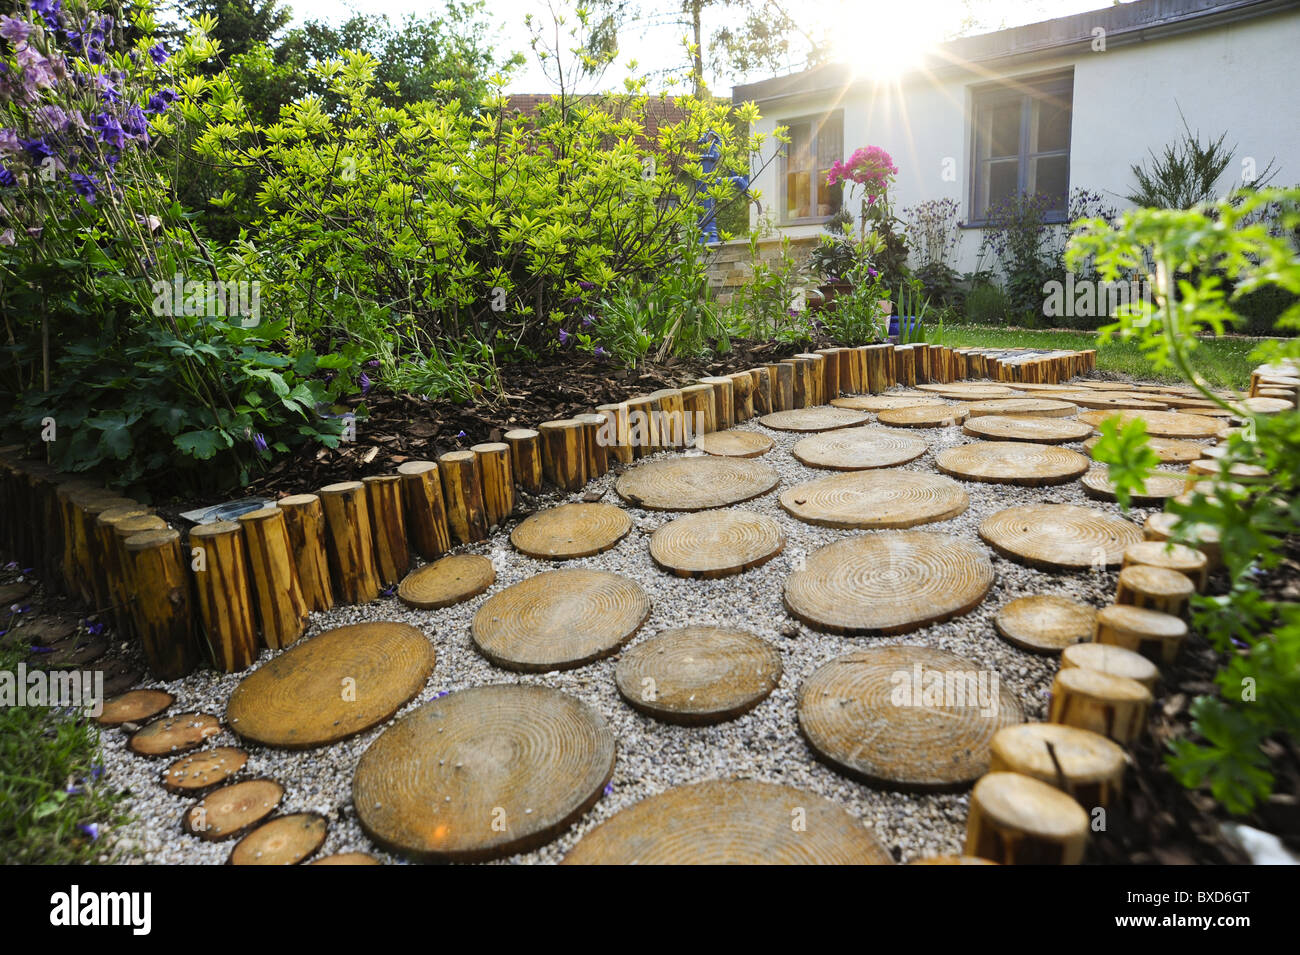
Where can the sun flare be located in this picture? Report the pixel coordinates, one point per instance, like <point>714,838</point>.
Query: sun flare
<point>885,44</point>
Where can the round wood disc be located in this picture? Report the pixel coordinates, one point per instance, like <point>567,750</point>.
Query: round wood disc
<point>682,483</point>
<point>483,773</point>
<point>716,543</point>
<point>889,583</point>
<point>960,391</point>
<point>120,676</point>
<point>1115,400</point>
<point>857,449</point>
<point>734,444</point>
<point>952,860</point>
<point>47,630</point>
<point>730,822</point>
<point>559,620</point>
<point>876,499</point>
<point>1267,405</point>
<point>170,735</point>
<point>925,416</point>
<point>78,650</point>
<point>1045,623</point>
<point>347,858</point>
<point>1179,557</point>
<point>1117,661</point>
<point>447,581</point>
<point>1162,424</point>
<point>204,769</point>
<point>1168,450</point>
<point>135,707</point>
<point>885,402</point>
<point>1012,462</point>
<point>14,593</point>
<point>1159,487</point>
<point>1029,407</point>
<point>334,685</point>
<point>1059,536</point>
<point>230,810</point>
<point>822,418</point>
<point>1027,428</point>
<point>1084,756</point>
<point>571,530</point>
<point>285,840</point>
<point>698,675</point>
<point>905,716</point>
<point>1019,805</point>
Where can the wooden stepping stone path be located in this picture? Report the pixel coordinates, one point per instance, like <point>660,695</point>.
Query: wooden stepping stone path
<point>347,858</point>
<point>1159,487</point>
<point>1083,764</point>
<point>734,444</point>
<point>1026,428</point>
<point>1045,623</point>
<point>716,543</point>
<point>1162,424</point>
<point>884,498</point>
<point>483,773</point>
<point>1018,820</point>
<point>285,840</point>
<point>1168,450</point>
<point>448,581</point>
<point>559,620</point>
<point>857,449</point>
<point>916,734</point>
<point>925,416</point>
<point>1115,401</point>
<point>963,392</point>
<point>1064,536</point>
<point>698,675</point>
<point>226,812</point>
<point>174,734</point>
<point>203,770</point>
<point>1115,660</point>
<point>571,530</point>
<point>694,483</point>
<point>135,707</point>
<point>813,419</point>
<point>889,583</point>
<point>1031,407</point>
<point>1012,462</point>
<point>876,403</point>
<point>730,822</point>
<point>336,684</point>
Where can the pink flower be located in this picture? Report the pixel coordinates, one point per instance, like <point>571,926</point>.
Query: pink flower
<point>870,167</point>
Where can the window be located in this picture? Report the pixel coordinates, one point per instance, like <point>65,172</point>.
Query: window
<point>815,145</point>
<point>1022,144</point>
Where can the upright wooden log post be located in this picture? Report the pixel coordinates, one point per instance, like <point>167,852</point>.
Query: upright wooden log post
<point>388,524</point>
<point>225,594</point>
<point>462,492</point>
<point>526,457</point>
<point>304,522</point>
<point>564,453</point>
<point>921,352</point>
<point>1155,635</point>
<point>114,559</point>
<point>724,401</point>
<point>830,373</point>
<point>762,384</point>
<point>350,544</point>
<point>851,370</point>
<point>93,584</point>
<point>671,428</point>
<point>905,365</point>
<point>642,429</point>
<point>499,483</point>
<point>742,396</point>
<point>697,406</point>
<point>782,375</point>
<point>1113,706</point>
<point>1155,588</point>
<point>1019,820</point>
<point>876,381</point>
<point>281,609</point>
<point>161,612</point>
<point>804,386</point>
<point>817,394</point>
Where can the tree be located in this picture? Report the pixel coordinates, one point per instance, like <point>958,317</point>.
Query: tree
<point>241,24</point>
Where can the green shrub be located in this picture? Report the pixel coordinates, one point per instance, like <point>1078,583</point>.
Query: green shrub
<point>986,304</point>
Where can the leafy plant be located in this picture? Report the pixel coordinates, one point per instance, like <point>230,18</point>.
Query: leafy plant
<point>1187,171</point>
<point>763,305</point>
<point>986,304</point>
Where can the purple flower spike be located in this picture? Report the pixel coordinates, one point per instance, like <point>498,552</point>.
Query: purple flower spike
<point>158,53</point>
<point>564,337</point>
<point>15,31</point>
<point>259,442</point>
<point>365,383</point>
<point>90,828</point>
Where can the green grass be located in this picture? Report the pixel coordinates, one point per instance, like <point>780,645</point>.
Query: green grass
<point>1222,361</point>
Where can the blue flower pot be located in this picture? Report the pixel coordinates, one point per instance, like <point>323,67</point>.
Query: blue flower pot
<point>910,322</point>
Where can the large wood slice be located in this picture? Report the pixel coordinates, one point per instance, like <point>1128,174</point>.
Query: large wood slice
<point>559,620</point>
<point>170,735</point>
<point>1114,401</point>
<point>961,391</point>
<point>1266,405</point>
<point>694,483</point>
<point>885,498</point>
<point>1168,450</point>
<point>1162,424</point>
<point>1012,462</point>
<point>483,773</point>
<point>716,543</point>
<point>697,675</point>
<point>731,822</point>
<point>1018,820</point>
<point>285,840</point>
<point>1027,428</point>
<point>905,716</point>
<point>925,416</point>
<point>734,444</point>
<point>857,449</point>
<point>1158,488</point>
<point>226,812</point>
<point>1028,407</point>
<point>347,858</point>
<point>571,530</point>
<point>1045,623</point>
<point>1087,765</point>
<point>135,707</point>
<point>203,770</point>
<point>334,685</point>
<point>886,402</point>
<point>1059,536</point>
<point>448,581</point>
<point>813,419</point>
<point>889,582</point>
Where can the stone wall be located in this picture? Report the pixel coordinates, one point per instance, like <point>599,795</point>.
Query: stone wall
<point>730,268</point>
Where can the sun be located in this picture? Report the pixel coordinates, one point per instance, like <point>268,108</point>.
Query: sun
<point>885,43</point>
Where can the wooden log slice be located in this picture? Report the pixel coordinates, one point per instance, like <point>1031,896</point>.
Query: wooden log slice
<point>952,860</point>
<point>1162,424</point>
<point>1158,488</point>
<point>1027,407</point>
<point>1045,623</point>
<point>226,812</point>
<point>1186,560</point>
<point>1204,537</point>
<point>571,530</point>
<point>698,675</point>
<point>1267,405</point>
<point>135,707</point>
<point>1055,536</point>
<point>447,581</point>
<point>904,716</point>
<point>347,858</point>
<point>1152,634</point>
<point>1113,706</point>
<point>1018,820</point>
<point>559,620</point>
<point>1027,428</point>
<point>1155,588</point>
<point>1012,462</point>
<point>973,391</point>
<point>694,483</point>
<point>336,684</point>
<point>1087,765</point>
<point>15,592</point>
<point>483,773</point>
<point>858,449</point>
<point>734,444</point>
<point>925,416</point>
<point>889,583</point>
<point>170,735</point>
<point>821,418</point>
<point>716,544</point>
<point>1115,660</point>
<point>285,840</point>
<point>876,403</point>
<point>45,630</point>
<point>1119,400</point>
<point>203,770</point>
<point>119,676</point>
<point>731,822</point>
<point>1168,450</point>
<point>884,498</point>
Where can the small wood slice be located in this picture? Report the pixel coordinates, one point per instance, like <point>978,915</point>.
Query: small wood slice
<point>716,544</point>
<point>884,498</point>
<point>226,812</point>
<point>1168,450</point>
<point>1040,430</point>
<point>174,734</point>
<point>1055,536</point>
<point>120,676</point>
<point>1267,405</point>
<point>1028,407</point>
<point>734,444</point>
<point>1162,424</point>
<point>814,419</point>
<point>973,392</point>
<point>483,773</point>
<point>952,860</point>
<point>559,620</point>
<point>203,770</point>
<point>889,582</point>
<point>1106,658</point>
<point>885,402</point>
<point>450,580</point>
<point>925,416</point>
<point>858,449</point>
<point>80,649</point>
<point>135,707</point>
<point>347,858</point>
<point>905,716</point>
<point>1091,764</point>
<point>1115,401</point>
<point>730,822</point>
<point>1186,560</point>
<point>1012,462</point>
<point>14,593</point>
<point>285,840</point>
<point>1019,820</point>
<point>571,530</point>
<point>1160,486</point>
<point>682,483</point>
<point>1045,623</point>
<point>46,630</point>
